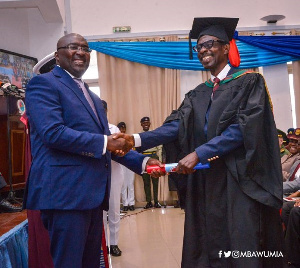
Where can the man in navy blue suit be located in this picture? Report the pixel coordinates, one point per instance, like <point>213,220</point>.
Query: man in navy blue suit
<point>69,179</point>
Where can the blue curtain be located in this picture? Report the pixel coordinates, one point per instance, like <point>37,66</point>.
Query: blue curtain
<point>175,55</point>
<point>285,45</point>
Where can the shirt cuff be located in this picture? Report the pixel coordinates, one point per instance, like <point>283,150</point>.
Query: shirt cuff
<point>144,164</point>
<point>105,144</point>
<point>137,140</point>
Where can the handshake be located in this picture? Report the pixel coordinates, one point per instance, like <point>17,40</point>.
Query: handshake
<point>120,144</point>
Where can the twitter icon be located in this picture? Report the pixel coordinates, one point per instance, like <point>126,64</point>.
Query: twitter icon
<point>227,254</point>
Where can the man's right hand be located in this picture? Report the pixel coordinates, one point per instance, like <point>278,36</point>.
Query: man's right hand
<point>118,146</point>
<point>128,138</point>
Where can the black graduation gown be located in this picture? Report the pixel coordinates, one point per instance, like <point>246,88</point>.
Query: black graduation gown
<point>234,205</point>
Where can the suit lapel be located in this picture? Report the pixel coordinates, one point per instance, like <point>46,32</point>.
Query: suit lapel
<point>68,81</point>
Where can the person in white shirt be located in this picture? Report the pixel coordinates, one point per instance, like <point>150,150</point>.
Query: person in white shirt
<point>128,185</point>
<point>111,218</point>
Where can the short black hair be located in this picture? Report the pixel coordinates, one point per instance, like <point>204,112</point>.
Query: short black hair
<point>121,124</point>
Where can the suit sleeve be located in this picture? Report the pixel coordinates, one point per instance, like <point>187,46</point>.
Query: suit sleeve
<point>166,133</point>
<point>230,139</point>
<point>45,113</point>
<point>132,160</point>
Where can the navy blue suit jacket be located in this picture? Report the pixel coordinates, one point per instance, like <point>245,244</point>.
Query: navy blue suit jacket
<point>68,169</point>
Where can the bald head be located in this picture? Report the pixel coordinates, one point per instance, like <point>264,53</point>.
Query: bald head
<point>70,54</point>
<point>66,39</point>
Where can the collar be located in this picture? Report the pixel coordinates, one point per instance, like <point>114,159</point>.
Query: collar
<point>223,73</point>
<point>80,78</point>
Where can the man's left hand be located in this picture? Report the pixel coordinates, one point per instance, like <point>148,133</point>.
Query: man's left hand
<point>186,165</point>
<point>155,173</point>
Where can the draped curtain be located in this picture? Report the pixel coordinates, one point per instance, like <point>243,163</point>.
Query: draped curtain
<point>255,51</point>
<point>132,91</point>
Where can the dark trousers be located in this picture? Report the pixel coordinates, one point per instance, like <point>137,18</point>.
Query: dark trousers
<point>291,219</point>
<point>75,237</point>
<point>147,187</point>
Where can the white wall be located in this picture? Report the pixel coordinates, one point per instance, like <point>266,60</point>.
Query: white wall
<point>43,36</point>
<point>188,81</point>
<point>277,80</point>
<point>97,17</point>
<point>24,31</point>
<point>14,30</point>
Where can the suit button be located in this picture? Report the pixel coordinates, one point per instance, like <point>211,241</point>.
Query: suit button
<point>106,165</point>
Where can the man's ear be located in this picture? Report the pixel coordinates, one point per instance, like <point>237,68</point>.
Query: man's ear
<point>56,57</point>
<point>226,49</point>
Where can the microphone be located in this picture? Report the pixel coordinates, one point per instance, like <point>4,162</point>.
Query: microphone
<point>167,168</point>
<point>12,90</point>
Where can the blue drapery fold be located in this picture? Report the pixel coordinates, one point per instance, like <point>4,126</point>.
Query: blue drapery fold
<point>285,45</point>
<point>255,51</point>
<point>14,247</point>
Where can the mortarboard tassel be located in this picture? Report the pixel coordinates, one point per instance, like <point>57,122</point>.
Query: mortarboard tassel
<point>234,55</point>
<point>190,46</point>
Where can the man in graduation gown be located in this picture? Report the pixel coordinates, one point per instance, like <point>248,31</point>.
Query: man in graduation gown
<point>233,207</point>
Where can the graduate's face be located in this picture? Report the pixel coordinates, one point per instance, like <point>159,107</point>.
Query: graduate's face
<point>75,62</point>
<point>214,58</point>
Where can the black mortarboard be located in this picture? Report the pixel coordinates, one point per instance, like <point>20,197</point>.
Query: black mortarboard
<point>146,118</point>
<point>222,28</point>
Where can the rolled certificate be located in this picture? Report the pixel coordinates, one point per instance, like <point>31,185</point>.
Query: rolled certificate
<point>167,168</point>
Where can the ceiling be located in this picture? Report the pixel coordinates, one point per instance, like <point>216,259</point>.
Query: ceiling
<point>48,8</point>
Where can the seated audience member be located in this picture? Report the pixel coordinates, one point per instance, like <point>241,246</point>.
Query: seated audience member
<point>282,139</point>
<point>287,161</point>
<point>128,185</point>
<point>5,205</point>
<point>291,219</point>
<point>290,131</point>
<point>292,184</point>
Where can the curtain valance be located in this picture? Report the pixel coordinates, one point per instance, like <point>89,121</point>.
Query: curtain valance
<point>255,51</point>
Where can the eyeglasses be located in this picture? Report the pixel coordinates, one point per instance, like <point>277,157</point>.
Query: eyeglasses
<point>208,45</point>
<point>74,47</point>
